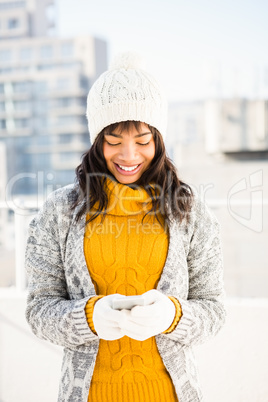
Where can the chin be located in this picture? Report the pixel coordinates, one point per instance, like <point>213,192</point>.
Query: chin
<point>127,181</point>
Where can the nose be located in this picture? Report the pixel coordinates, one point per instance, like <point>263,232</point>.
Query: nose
<point>128,152</point>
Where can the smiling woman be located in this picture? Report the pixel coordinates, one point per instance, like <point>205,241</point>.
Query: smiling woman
<point>128,152</point>
<point>128,227</point>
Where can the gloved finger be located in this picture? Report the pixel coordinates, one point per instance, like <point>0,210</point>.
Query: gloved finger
<point>106,323</point>
<point>112,335</point>
<point>108,313</point>
<point>144,321</point>
<point>151,296</point>
<point>134,327</point>
<point>152,310</point>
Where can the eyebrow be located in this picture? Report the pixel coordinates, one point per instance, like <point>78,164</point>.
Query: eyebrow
<point>120,136</point>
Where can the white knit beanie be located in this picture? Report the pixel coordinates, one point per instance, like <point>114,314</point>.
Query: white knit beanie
<point>126,92</point>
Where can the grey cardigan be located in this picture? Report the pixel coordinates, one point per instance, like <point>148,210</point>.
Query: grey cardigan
<point>60,286</point>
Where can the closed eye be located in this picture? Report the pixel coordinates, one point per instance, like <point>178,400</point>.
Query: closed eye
<point>113,145</point>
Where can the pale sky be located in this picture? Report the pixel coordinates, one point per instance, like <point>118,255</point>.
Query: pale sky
<point>195,48</point>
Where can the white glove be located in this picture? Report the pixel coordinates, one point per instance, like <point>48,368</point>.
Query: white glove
<point>143,322</point>
<point>106,320</point>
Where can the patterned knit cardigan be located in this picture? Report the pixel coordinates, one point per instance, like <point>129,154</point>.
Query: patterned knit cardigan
<point>60,286</point>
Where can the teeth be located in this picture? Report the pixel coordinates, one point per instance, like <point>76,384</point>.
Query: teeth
<point>128,169</point>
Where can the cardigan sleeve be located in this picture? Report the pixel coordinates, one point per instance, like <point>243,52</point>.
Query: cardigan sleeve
<point>50,313</point>
<point>89,308</point>
<point>203,312</point>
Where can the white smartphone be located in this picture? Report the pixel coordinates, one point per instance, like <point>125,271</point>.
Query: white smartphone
<point>128,302</point>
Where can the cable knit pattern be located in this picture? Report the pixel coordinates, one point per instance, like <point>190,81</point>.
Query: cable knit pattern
<point>60,286</point>
<point>127,256</point>
<point>126,92</point>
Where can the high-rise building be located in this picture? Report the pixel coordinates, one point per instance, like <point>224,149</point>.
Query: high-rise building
<point>26,18</point>
<point>44,81</point>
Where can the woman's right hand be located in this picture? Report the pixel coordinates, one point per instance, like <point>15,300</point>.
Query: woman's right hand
<point>106,320</point>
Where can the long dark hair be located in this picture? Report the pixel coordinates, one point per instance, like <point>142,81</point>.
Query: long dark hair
<point>167,192</point>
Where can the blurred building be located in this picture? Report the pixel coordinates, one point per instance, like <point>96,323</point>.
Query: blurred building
<point>3,176</point>
<point>44,81</point>
<point>233,128</point>
<point>3,171</point>
<point>237,127</point>
<point>221,149</point>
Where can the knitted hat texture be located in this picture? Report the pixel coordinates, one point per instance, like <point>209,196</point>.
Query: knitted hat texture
<point>126,92</point>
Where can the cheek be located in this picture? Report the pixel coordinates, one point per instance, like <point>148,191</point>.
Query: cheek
<point>107,153</point>
<point>150,152</point>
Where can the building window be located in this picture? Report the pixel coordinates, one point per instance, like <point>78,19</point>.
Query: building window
<point>2,89</point>
<point>42,67</point>
<point>85,138</point>
<point>46,52</point>
<point>23,86</point>
<point>21,123</point>
<point>65,138</point>
<point>2,124</point>
<point>40,87</point>
<point>66,120</point>
<point>63,83</point>
<point>13,23</point>
<point>22,69</point>
<point>13,4</point>
<point>84,83</point>
<point>5,55</point>
<point>41,106</point>
<point>67,156</point>
<point>42,122</point>
<point>67,49</point>
<point>64,102</point>
<point>81,101</point>
<point>65,176</point>
<point>83,121</point>
<point>22,106</point>
<point>26,53</point>
<point>6,70</point>
<point>43,140</point>
<point>2,106</point>
<point>43,160</point>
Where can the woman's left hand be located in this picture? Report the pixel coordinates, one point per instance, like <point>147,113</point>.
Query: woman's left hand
<point>143,322</point>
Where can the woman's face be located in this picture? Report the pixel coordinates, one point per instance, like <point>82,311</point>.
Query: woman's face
<point>129,153</point>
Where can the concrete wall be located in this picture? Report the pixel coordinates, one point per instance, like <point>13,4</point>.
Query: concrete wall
<point>233,366</point>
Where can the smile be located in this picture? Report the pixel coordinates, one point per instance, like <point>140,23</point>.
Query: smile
<point>128,169</point>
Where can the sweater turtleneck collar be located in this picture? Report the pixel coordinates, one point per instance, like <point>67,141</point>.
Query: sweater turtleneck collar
<point>125,200</point>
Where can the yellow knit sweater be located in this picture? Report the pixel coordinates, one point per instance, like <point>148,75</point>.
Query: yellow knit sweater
<point>127,256</point>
